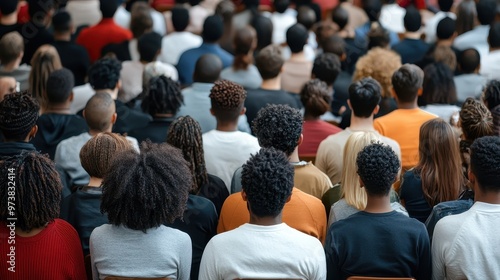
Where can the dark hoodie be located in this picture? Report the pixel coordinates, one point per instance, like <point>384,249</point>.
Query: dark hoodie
<point>53,128</point>
<point>9,149</point>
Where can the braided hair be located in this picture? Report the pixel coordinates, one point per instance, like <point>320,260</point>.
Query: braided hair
<point>491,95</point>
<point>185,134</point>
<point>316,98</point>
<point>18,115</point>
<point>163,96</point>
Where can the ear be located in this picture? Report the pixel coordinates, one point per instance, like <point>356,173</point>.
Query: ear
<point>375,111</point>
<point>343,57</point>
<point>113,118</point>
<point>118,84</point>
<point>71,96</point>
<point>282,68</point>
<point>212,112</point>
<point>420,91</point>
<point>21,54</point>
<point>313,76</point>
<point>349,104</point>
<point>301,139</point>
<point>361,184</point>
<point>289,198</point>
<point>83,113</point>
<point>33,132</point>
<point>244,195</point>
<point>393,93</point>
<point>243,111</point>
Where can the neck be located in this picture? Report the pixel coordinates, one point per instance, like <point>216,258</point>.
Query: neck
<point>227,126</point>
<point>9,19</point>
<point>265,221</point>
<point>407,105</point>
<point>59,108</point>
<point>95,182</point>
<point>412,35</point>
<point>66,37</point>
<point>94,132</point>
<point>112,92</point>
<point>13,65</point>
<point>494,49</point>
<point>30,233</point>
<point>272,84</point>
<point>163,115</point>
<point>378,204</point>
<point>486,197</point>
<point>309,117</point>
<point>361,124</point>
<point>300,56</point>
<point>445,42</point>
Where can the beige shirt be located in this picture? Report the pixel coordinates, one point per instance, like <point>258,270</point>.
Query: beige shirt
<point>357,16</point>
<point>295,75</point>
<point>309,179</point>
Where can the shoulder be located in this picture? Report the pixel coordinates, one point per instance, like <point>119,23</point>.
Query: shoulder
<point>307,201</point>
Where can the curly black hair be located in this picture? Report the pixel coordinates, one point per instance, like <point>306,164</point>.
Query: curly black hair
<point>279,127</point>
<point>485,162</point>
<point>18,115</point>
<point>378,167</point>
<point>163,96</point>
<point>327,67</point>
<point>37,190</point>
<point>267,180</point>
<point>104,73</point>
<point>316,98</point>
<point>491,95</point>
<point>146,190</point>
<point>227,99</point>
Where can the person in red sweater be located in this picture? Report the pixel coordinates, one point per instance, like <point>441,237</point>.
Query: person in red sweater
<point>104,33</point>
<point>33,243</point>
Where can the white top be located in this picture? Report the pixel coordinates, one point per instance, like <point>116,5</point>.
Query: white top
<point>470,85</point>
<point>226,151</point>
<point>133,50</point>
<point>490,65</point>
<point>174,44</point>
<point>466,246</point>
<point>263,252</point>
<point>81,95</point>
<point>84,12</point>
<point>391,18</point>
<point>477,38</point>
<point>444,111</point>
<point>122,18</point>
<point>432,23</point>
<point>281,23</point>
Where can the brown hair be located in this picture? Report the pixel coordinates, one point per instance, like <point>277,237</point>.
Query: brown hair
<point>446,56</point>
<point>245,42</point>
<point>45,61</point>
<point>11,46</point>
<point>269,62</point>
<point>315,97</point>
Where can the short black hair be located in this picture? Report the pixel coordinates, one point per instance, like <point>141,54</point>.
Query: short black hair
<point>269,62</point>
<point>445,5</point>
<point>180,18</point>
<point>378,167</point>
<point>486,11</point>
<point>227,99</point>
<point>264,28</point>
<point>469,60</point>
<point>163,96</point>
<point>213,28</point>
<point>281,6</point>
<point>149,46</point>
<point>108,8</point>
<point>296,37</point>
<point>267,180</point>
<point>406,81</point>
<point>306,16</point>
<point>61,22</point>
<point>207,69</point>
<point>412,19</point>
<point>147,189</point>
<point>485,162</point>
<point>8,7</point>
<point>105,73</point>
<point>38,9</point>
<point>278,126</point>
<point>59,86</point>
<point>445,28</point>
<point>364,96</point>
<point>340,16</point>
<point>327,67</point>
<point>378,36</point>
<point>334,44</point>
<point>491,95</point>
<point>494,35</point>
<point>372,9</point>
<point>18,115</point>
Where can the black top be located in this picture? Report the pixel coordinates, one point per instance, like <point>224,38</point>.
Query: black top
<point>354,50</point>
<point>9,149</point>
<point>216,191</point>
<point>341,91</point>
<point>4,29</point>
<point>129,119</point>
<point>413,196</point>
<point>53,128</point>
<point>156,130</point>
<point>378,245</point>
<point>411,50</point>
<point>200,222</point>
<point>121,50</point>
<point>34,36</point>
<point>75,58</point>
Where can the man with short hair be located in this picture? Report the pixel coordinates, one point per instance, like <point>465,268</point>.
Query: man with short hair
<point>297,69</point>
<point>8,21</point>
<point>470,83</point>
<point>490,62</point>
<point>11,55</point>
<point>123,15</point>
<point>372,9</point>
<point>282,18</point>
<point>464,246</point>
<point>431,24</point>
<point>411,49</point>
<point>262,247</point>
<point>327,68</point>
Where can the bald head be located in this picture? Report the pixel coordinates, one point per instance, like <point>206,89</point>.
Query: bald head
<point>207,69</point>
<point>100,112</point>
<point>7,86</point>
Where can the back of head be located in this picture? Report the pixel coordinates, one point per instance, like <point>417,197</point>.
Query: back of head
<point>296,37</point>
<point>213,29</point>
<point>378,167</point>
<point>99,111</point>
<point>8,7</point>
<point>152,70</point>
<point>45,61</point>
<point>335,45</point>
<point>445,28</point>
<point>180,18</point>
<point>306,16</point>
<point>105,74</point>
<point>227,99</point>
<point>267,181</point>
<point>141,21</point>
<point>445,5</point>
<point>108,8</point>
<point>466,16</point>
<point>439,85</point>
<point>378,36</point>
<point>130,4</point>
<point>39,9</point>
<point>486,11</point>
<point>149,46</point>
<point>59,86</point>
<point>226,10</point>
<point>469,60</point>
<point>364,96</point>
<point>491,95</point>
<point>153,183</point>
<point>326,67</point>
<point>269,62</point>
<point>476,120</point>
<point>207,69</point>
<point>485,163</point>
<point>18,115</point>
<point>279,127</point>
<point>163,96</point>
<point>281,6</point>
<point>340,16</point>
<point>37,190</point>
<point>413,19</point>
<point>61,22</point>
<point>97,153</point>
<point>494,36</point>
<point>316,98</point>
<point>407,81</point>
<point>245,42</point>
<point>445,55</point>
<point>264,28</point>
<point>323,30</point>
<point>372,9</point>
<point>11,47</point>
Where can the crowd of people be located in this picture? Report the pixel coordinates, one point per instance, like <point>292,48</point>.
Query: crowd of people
<point>220,139</point>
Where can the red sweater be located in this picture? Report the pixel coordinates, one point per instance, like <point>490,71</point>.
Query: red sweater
<point>314,132</point>
<point>100,35</point>
<point>53,254</point>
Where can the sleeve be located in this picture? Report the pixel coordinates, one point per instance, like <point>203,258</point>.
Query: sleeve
<point>185,259</point>
<point>325,161</point>
<point>332,259</point>
<point>437,251</point>
<point>425,264</point>
<point>319,265</point>
<point>95,273</point>
<point>331,218</point>
<point>208,267</point>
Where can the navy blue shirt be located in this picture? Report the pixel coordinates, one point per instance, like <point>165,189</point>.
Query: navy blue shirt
<point>412,194</point>
<point>411,50</point>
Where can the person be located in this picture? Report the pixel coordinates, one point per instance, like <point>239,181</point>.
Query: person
<point>307,16</point>
<point>282,18</point>
<point>357,17</point>
<point>225,147</point>
<point>84,13</point>
<point>439,153</point>
<point>364,97</point>
<point>372,9</point>
<point>94,38</point>
<point>327,68</point>
<point>265,30</point>
<point>316,100</point>
<point>412,49</point>
<point>82,209</point>
<point>49,246</point>
<point>100,115</point>
<point>466,16</point>
<point>8,21</point>
<point>45,61</point>
<point>352,50</point>
<point>162,175</point>
<point>489,62</point>
<point>466,238</point>
<point>180,40</point>
<point>297,69</point>
<point>8,85</point>
<point>243,72</point>
<point>350,251</point>
<point>212,32</point>
<point>407,86</point>
<point>470,83</point>
<point>123,16</point>
<point>57,123</point>
<point>264,241</point>
<point>491,98</point>
<point>445,34</point>
<point>11,55</point>
<point>392,15</point>
<point>431,24</point>
<point>226,9</point>
<point>73,57</point>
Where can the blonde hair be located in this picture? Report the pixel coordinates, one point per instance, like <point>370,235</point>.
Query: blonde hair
<point>351,189</point>
<point>45,61</point>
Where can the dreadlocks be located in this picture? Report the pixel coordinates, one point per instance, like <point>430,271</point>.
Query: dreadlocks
<point>162,97</point>
<point>18,115</point>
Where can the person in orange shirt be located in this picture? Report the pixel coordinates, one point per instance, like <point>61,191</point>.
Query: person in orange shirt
<point>403,124</point>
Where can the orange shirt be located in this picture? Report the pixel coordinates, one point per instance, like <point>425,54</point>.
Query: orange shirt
<point>303,212</point>
<point>403,125</point>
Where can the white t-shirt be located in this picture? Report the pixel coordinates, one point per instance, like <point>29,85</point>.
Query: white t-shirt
<point>263,252</point>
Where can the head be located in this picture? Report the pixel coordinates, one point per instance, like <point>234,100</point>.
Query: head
<point>96,155</point>
<point>378,37</point>
<point>439,86</point>
<point>486,11</point>
<point>407,83</point>
<point>439,165</point>
<point>267,182</point>
<point>494,36</point>
<point>153,183</point>
<point>445,29</point>
<point>413,19</point>
<point>18,116</point>
<point>445,5</point>
<point>100,112</point>
<point>323,30</point>
<point>469,61</point>
<point>180,18</point>
<point>40,11</point>
<point>364,97</point>
<point>45,61</point>
<point>185,134</point>
<point>104,74</point>
<point>8,7</point>
<point>226,10</point>
<point>11,48</point>
<point>227,99</point>
<point>335,45</point>
<point>372,9</point>
<point>152,70</point>
<point>264,28</point>
<point>108,8</point>
<point>326,68</point>
<point>280,6</point>
<point>207,69</point>
<point>149,46</point>
<point>245,42</point>
<point>269,62</point>
<point>296,37</point>
<point>466,16</point>
<point>340,16</point>
<point>213,28</point>
<point>316,98</point>
<point>60,86</point>
<point>491,94</point>
<point>37,190</point>
<point>7,86</point>
<point>279,127</point>
<point>306,16</point>
<point>141,21</point>
<point>445,55</point>
<point>62,23</point>
<point>163,96</point>
<point>485,163</point>
<point>475,120</point>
